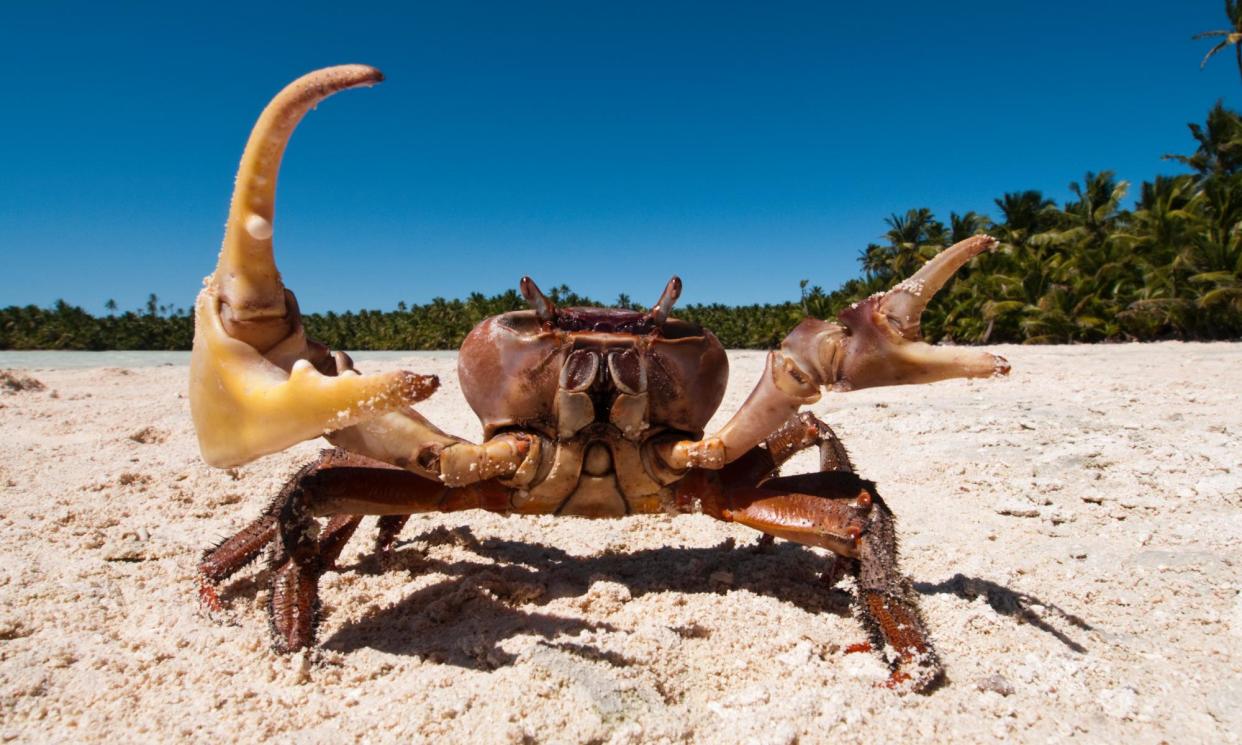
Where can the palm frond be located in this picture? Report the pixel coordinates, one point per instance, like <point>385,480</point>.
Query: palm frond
<point>1221,295</point>
<point>1211,52</point>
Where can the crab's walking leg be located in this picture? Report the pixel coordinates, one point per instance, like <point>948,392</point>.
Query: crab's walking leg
<point>876,343</point>
<point>440,458</point>
<point>221,562</point>
<point>761,463</point>
<point>346,486</point>
<point>801,431</point>
<point>888,606</point>
<point>836,510</point>
<point>390,527</point>
<point>842,513</point>
<point>231,555</point>
<point>335,535</point>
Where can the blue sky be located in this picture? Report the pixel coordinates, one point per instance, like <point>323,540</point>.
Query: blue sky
<point>602,145</point>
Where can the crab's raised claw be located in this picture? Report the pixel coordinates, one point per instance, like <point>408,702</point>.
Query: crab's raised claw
<point>245,405</point>
<point>876,343</point>
<point>252,297</point>
<point>883,345</point>
<point>257,385</point>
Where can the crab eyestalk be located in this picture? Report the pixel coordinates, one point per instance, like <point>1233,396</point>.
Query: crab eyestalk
<point>252,296</point>
<point>545,309</point>
<point>664,306</point>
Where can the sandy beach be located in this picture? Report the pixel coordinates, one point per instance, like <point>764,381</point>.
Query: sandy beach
<point>1074,531</point>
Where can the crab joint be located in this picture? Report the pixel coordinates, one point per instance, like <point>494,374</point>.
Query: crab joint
<point>683,454</point>
<point>503,456</point>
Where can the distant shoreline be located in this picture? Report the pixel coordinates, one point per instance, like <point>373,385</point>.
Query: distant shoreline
<point>59,359</point>
<point>50,359</point>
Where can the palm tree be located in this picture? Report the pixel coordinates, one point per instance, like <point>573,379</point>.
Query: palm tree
<point>1025,213</point>
<point>913,239</point>
<point>1232,35</point>
<point>962,227</point>
<point>1220,144</point>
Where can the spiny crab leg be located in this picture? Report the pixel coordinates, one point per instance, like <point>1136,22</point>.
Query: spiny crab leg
<point>257,385</point>
<point>876,343</point>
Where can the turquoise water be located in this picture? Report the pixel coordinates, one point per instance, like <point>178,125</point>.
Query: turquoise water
<point>68,360</point>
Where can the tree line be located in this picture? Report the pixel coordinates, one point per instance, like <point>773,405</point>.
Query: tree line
<point>1087,270</point>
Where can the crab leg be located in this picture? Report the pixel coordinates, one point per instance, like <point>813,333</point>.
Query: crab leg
<point>390,527</point>
<point>811,509</point>
<point>875,343</point>
<point>800,432</point>
<point>840,512</point>
<point>233,554</point>
<point>344,483</point>
<point>343,486</point>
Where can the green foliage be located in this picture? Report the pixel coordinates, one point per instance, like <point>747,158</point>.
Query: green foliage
<point>1231,36</point>
<point>65,326</point>
<point>1085,271</point>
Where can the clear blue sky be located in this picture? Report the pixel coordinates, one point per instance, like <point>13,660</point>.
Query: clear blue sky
<point>602,145</point>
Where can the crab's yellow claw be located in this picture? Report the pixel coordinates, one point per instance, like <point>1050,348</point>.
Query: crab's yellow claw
<point>252,297</point>
<point>254,386</point>
<point>245,406</point>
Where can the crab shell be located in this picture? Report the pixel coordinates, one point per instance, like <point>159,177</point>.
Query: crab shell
<point>518,373</point>
<point>603,385</point>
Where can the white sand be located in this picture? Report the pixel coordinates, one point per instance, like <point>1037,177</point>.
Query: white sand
<point>1074,532</point>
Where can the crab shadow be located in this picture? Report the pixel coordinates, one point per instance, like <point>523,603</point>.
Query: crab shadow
<point>465,618</point>
<point>1021,606</point>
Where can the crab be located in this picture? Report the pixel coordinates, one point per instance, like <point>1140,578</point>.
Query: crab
<point>586,412</point>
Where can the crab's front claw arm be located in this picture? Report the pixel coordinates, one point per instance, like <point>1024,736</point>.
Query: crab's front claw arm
<point>875,343</point>
<point>257,384</point>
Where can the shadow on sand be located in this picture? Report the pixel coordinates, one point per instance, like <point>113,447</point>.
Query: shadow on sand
<point>1019,605</point>
<point>464,620</point>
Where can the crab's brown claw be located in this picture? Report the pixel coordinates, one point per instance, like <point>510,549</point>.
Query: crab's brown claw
<point>883,345</point>
<point>254,384</point>
<point>876,343</point>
